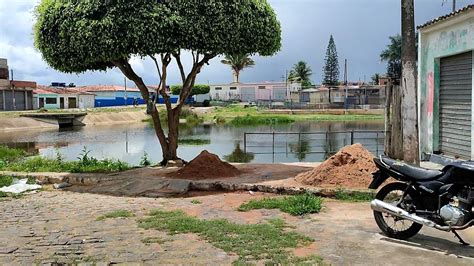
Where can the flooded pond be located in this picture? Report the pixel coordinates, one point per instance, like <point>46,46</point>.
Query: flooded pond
<point>290,143</point>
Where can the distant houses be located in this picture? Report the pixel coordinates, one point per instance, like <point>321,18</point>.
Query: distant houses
<point>62,98</point>
<point>15,95</point>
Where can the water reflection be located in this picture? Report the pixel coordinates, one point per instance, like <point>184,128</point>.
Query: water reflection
<point>239,156</point>
<point>129,142</point>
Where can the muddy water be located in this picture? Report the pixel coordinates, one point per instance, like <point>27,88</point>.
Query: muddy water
<point>129,142</point>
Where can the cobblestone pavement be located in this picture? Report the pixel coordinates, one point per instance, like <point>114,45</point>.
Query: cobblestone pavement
<point>55,226</point>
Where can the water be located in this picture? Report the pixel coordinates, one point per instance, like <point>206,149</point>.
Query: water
<point>129,142</point>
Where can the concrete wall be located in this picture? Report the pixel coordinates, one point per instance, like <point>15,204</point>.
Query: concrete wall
<point>450,37</point>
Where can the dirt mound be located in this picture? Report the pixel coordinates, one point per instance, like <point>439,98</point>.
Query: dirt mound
<point>352,167</point>
<point>206,166</point>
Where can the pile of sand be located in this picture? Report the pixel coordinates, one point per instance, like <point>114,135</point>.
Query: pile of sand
<point>352,167</point>
<point>206,166</point>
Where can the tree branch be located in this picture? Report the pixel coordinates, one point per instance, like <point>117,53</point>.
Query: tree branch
<point>180,66</point>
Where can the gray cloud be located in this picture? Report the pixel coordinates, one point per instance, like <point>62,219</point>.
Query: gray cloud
<point>360,28</point>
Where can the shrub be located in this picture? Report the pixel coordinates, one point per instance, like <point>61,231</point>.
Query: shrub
<point>294,205</point>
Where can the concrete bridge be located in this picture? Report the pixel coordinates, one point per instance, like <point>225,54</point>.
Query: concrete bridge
<point>61,119</point>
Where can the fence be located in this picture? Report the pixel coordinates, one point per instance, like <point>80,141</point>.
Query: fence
<point>301,144</point>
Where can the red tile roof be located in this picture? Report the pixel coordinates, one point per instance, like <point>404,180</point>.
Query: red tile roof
<point>52,90</point>
<point>23,84</point>
<point>101,88</point>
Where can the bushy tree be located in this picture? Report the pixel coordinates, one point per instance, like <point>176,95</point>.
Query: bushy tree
<point>196,90</point>
<point>331,65</point>
<point>238,62</point>
<point>393,56</point>
<point>301,72</point>
<point>77,36</point>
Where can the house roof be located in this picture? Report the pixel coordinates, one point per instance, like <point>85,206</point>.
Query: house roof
<point>448,16</point>
<point>23,84</point>
<point>51,90</point>
<point>105,88</point>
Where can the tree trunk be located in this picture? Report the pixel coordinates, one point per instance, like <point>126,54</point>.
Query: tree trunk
<point>408,83</point>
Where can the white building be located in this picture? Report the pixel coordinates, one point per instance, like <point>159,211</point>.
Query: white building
<point>250,92</point>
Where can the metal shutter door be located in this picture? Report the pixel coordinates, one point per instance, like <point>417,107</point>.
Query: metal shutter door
<point>1,100</point>
<point>455,101</point>
<point>279,94</point>
<point>8,100</point>
<point>20,100</point>
<point>247,94</point>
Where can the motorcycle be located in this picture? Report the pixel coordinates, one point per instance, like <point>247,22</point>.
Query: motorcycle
<point>440,199</point>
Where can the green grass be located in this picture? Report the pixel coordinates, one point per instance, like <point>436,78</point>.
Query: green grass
<point>9,154</point>
<point>196,202</point>
<point>354,196</point>
<point>253,120</point>
<point>151,240</point>
<point>194,142</point>
<point>251,242</point>
<point>6,181</point>
<point>294,205</point>
<point>116,214</point>
<point>41,164</point>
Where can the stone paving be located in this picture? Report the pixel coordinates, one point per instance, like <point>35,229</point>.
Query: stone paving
<point>61,227</point>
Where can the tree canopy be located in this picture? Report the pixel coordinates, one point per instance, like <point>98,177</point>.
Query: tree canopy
<point>76,36</point>
<point>331,64</point>
<point>301,72</point>
<point>196,90</point>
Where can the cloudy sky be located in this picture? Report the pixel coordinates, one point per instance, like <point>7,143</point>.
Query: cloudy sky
<point>360,28</point>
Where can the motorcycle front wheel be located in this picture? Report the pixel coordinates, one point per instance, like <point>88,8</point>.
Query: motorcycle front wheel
<point>391,225</point>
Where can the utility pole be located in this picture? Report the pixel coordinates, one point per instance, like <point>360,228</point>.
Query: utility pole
<point>408,85</point>
<point>345,83</point>
<point>125,84</point>
<point>454,5</point>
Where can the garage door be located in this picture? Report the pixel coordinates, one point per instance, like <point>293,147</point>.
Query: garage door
<point>455,98</point>
<point>20,100</point>
<point>1,100</point>
<point>247,94</point>
<point>8,100</point>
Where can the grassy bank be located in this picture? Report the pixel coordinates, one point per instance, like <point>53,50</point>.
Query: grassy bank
<point>17,161</point>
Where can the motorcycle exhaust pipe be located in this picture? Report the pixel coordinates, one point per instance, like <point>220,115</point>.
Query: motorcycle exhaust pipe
<point>380,206</point>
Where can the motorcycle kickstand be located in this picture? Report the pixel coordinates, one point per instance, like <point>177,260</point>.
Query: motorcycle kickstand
<point>460,239</point>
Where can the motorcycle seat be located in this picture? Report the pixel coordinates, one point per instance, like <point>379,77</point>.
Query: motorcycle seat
<point>416,173</point>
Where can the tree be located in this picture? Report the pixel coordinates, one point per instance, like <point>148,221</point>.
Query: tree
<point>238,62</point>
<point>301,72</point>
<point>196,90</point>
<point>331,65</point>
<point>79,36</point>
<point>408,84</point>
<point>393,56</point>
<point>375,79</point>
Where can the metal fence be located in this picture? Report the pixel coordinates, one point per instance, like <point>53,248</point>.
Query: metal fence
<point>301,144</point>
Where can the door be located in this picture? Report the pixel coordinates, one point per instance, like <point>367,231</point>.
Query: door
<point>61,103</point>
<point>72,102</point>
<point>1,100</point>
<point>279,94</point>
<point>455,102</point>
<point>20,102</point>
<point>8,100</point>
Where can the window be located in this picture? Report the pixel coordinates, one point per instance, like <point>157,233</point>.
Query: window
<point>261,87</point>
<point>233,88</point>
<point>218,88</point>
<point>51,100</point>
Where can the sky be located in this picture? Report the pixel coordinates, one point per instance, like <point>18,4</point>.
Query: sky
<point>360,28</point>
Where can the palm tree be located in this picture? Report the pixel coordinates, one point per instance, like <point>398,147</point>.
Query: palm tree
<point>301,72</point>
<point>238,62</point>
<point>393,56</point>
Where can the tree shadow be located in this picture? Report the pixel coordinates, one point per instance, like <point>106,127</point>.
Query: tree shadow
<point>239,156</point>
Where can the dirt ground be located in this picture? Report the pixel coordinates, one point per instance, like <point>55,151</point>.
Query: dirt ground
<point>56,226</point>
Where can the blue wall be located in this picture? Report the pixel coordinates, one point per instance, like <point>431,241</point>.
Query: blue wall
<point>108,99</point>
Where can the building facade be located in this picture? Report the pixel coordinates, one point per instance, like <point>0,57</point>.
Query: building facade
<point>15,95</point>
<point>445,84</point>
<point>253,92</point>
<point>62,98</point>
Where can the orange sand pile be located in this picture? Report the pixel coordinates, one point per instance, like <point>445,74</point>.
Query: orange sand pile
<point>351,167</point>
<point>206,166</point>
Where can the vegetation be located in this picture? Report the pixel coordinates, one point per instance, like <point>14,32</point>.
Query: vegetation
<point>252,120</point>
<point>85,164</point>
<point>239,156</point>
<point>116,214</point>
<point>144,161</point>
<point>10,154</point>
<point>238,62</point>
<point>375,79</point>
<point>6,181</point>
<point>107,34</point>
<point>251,242</point>
<point>393,56</point>
<point>331,65</point>
<point>196,202</point>
<point>294,205</point>
<point>197,89</point>
<point>354,196</point>
<point>301,72</point>
<point>151,240</point>
<point>195,142</point>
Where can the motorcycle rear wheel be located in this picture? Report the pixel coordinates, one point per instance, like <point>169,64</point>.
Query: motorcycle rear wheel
<point>388,194</point>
